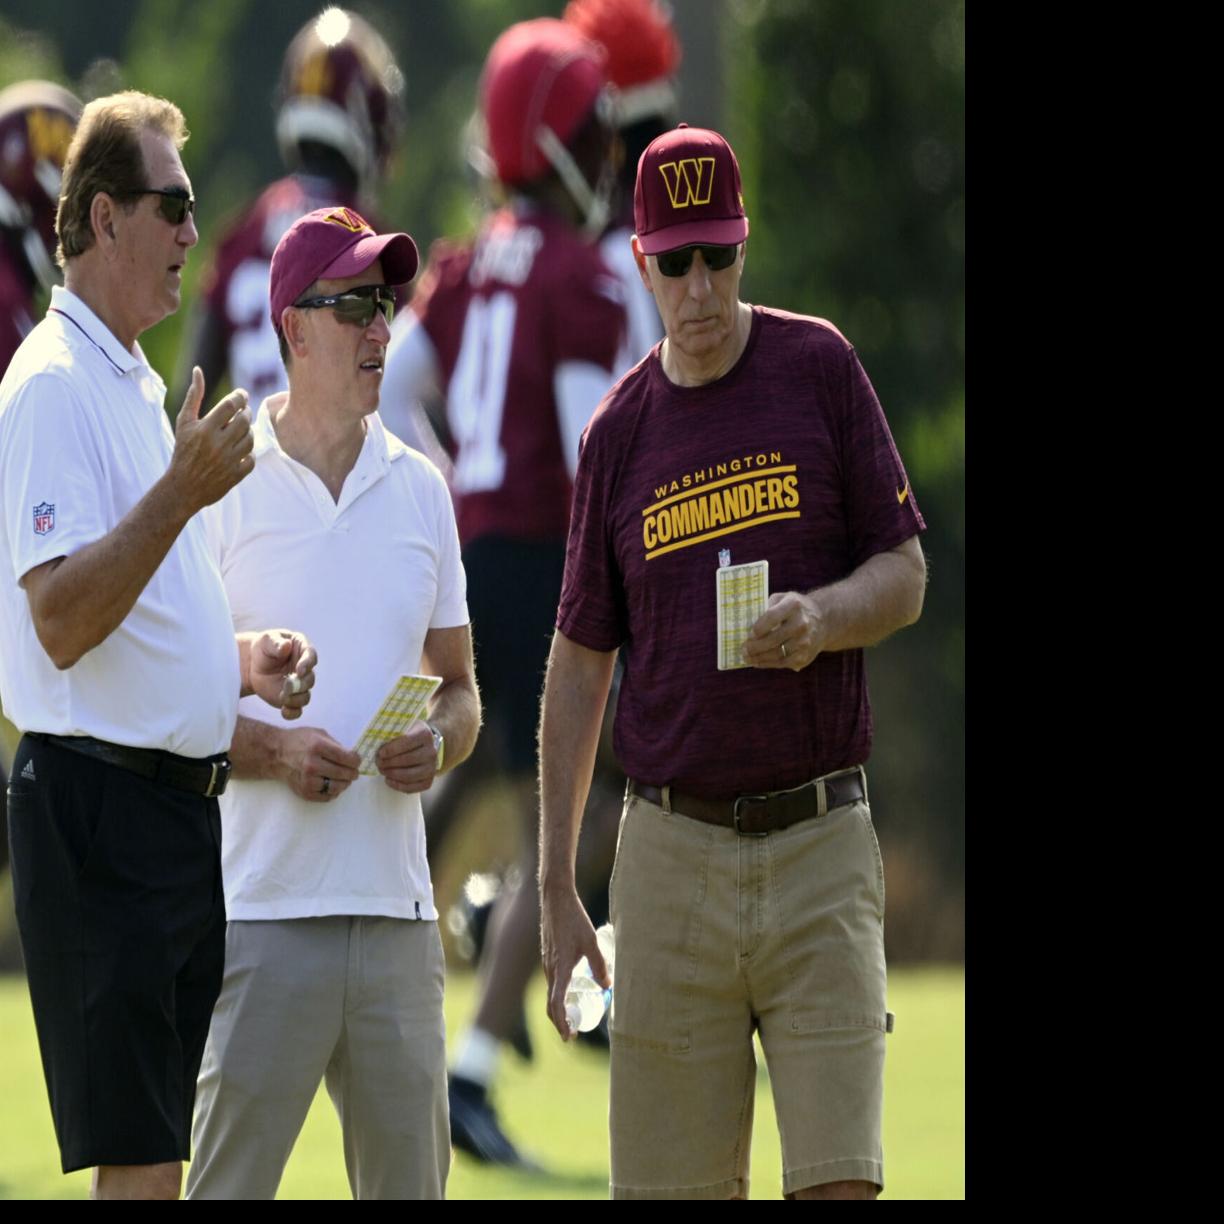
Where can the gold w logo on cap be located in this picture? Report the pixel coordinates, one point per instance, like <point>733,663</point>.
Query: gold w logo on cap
<point>689,181</point>
<point>348,218</point>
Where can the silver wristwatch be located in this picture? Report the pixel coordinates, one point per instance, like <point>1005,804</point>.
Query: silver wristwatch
<point>439,743</point>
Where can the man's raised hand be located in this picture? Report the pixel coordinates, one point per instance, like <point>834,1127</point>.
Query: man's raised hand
<point>211,453</point>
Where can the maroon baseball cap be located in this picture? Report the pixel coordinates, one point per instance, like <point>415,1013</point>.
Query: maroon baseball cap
<point>688,191</point>
<point>330,244</point>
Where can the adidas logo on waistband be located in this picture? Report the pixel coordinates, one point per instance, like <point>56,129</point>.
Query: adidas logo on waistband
<point>28,771</point>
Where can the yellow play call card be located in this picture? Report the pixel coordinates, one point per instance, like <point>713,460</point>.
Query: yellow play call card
<point>404,704</point>
<point>742,597</point>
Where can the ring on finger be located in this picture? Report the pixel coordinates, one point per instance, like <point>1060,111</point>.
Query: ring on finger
<point>326,786</point>
<point>782,647</point>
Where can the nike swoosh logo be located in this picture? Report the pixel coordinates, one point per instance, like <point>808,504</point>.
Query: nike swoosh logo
<point>903,495</point>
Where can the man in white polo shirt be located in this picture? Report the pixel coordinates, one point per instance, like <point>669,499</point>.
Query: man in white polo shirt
<point>334,967</point>
<point>118,660</point>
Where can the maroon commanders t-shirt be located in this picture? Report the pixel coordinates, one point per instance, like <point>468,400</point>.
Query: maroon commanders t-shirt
<point>786,458</point>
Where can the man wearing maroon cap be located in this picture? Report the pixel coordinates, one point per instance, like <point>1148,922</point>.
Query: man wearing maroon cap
<point>747,454</point>
<point>333,964</point>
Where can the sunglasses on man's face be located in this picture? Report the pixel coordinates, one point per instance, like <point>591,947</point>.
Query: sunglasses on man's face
<point>357,306</point>
<point>175,205</point>
<point>677,263</point>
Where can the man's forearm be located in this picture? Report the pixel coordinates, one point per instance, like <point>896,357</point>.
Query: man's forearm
<point>456,714</point>
<point>883,595</point>
<point>575,694</point>
<point>257,750</point>
<point>78,601</point>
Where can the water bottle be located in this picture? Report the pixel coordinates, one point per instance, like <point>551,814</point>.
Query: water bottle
<point>585,999</point>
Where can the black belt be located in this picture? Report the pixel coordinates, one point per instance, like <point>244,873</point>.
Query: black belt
<point>207,777</point>
<point>756,815</point>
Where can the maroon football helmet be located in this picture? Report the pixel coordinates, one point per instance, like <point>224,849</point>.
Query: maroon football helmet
<point>37,120</point>
<point>340,86</point>
<point>542,81</point>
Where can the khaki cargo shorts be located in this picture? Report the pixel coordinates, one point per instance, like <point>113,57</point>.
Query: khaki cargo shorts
<point>719,935</point>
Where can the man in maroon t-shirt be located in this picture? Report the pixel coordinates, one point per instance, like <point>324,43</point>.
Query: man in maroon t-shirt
<point>523,332</point>
<point>748,890</point>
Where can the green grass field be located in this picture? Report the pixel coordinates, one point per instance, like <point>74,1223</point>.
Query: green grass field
<point>557,1107</point>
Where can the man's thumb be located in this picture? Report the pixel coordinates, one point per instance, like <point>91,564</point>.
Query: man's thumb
<point>276,646</point>
<point>194,397</point>
<point>599,968</point>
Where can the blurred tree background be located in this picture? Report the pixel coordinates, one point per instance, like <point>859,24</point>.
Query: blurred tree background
<point>848,120</point>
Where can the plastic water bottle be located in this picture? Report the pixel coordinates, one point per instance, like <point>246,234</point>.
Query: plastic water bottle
<point>585,999</point>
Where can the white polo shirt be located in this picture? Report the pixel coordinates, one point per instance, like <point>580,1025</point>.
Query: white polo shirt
<point>364,578</point>
<point>83,437</point>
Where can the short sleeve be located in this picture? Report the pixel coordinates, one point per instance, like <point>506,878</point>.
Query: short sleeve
<point>51,474</point>
<point>592,609</point>
<point>588,315</point>
<point>880,507</point>
<point>433,306</point>
<point>450,607</point>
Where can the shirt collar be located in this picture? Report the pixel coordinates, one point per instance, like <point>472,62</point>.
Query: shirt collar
<point>99,335</point>
<point>391,445</point>
<point>261,428</point>
<point>381,447</point>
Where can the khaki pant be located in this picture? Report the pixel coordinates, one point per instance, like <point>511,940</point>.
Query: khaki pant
<point>355,1000</point>
<point>719,935</point>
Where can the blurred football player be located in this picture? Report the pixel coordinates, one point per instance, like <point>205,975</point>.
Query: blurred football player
<point>339,114</point>
<point>522,332</point>
<point>642,55</point>
<point>37,119</point>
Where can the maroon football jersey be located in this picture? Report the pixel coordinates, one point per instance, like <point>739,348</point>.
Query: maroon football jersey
<point>503,315</point>
<point>236,286</point>
<point>787,458</point>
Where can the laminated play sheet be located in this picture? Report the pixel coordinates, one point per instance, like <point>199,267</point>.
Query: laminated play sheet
<point>742,596</point>
<point>404,704</point>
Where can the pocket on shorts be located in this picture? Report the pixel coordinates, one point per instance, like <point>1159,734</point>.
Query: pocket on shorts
<point>865,815</point>
<point>71,807</point>
<point>630,800</point>
<point>656,902</point>
<point>828,883</point>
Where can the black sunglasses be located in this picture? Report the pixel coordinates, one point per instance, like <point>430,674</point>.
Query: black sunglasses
<point>357,305</point>
<point>176,203</point>
<point>677,263</point>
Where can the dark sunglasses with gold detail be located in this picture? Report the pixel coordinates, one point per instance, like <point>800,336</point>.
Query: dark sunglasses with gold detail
<point>175,205</point>
<point>358,305</point>
<point>677,263</point>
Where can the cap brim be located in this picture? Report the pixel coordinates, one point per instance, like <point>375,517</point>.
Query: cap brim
<point>397,251</point>
<point>731,232</point>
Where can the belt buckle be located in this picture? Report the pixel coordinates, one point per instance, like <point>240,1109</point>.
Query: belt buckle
<point>223,767</point>
<point>735,814</point>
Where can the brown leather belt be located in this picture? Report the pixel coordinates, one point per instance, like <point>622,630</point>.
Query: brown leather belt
<point>756,815</point>
<point>207,777</point>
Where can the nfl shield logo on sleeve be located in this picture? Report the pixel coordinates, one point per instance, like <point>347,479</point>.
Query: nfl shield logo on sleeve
<point>44,518</point>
